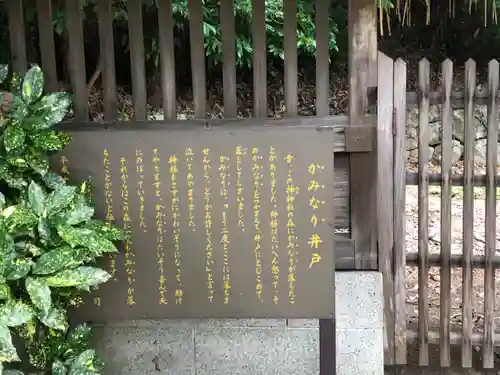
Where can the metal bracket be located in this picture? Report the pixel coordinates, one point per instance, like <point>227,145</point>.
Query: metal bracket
<point>359,138</point>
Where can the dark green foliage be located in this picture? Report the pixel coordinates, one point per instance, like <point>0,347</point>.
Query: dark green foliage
<point>49,241</point>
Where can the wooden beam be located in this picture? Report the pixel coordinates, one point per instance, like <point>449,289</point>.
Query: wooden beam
<point>362,76</point>
<point>363,71</point>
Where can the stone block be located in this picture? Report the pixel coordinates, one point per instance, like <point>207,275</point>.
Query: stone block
<point>359,300</point>
<point>360,351</point>
<point>234,351</point>
<point>147,350</point>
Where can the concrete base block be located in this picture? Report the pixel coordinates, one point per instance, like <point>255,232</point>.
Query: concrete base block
<point>253,346</point>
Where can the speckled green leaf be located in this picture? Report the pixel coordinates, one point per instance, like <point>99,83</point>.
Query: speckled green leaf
<point>36,197</point>
<point>4,72</point>
<point>14,137</point>
<point>54,108</point>
<point>2,201</point>
<point>38,162</point>
<point>8,352</point>
<point>3,267</point>
<point>18,112</point>
<point>57,259</point>
<point>58,368</point>
<point>75,236</point>
<point>32,249</point>
<point>32,87</point>
<point>34,122</point>
<point>39,293</point>
<point>55,319</point>
<point>44,230</point>
<point>18,161</point>
<point>83,363</point>
<point>79,335</point>
<point>4,167</point>
<point>96,242</point>
<point>6,246</point>
<point>80,213</point>
<point>18,268</point>
<point>60,99</point>
<point>12,372</point>
<point>15,181</point>
<point>21,216</point>
<point>16,83</point>
<point>14,313</point>
<point>5,292</point>
<point>82,278</point>
<point>50,140</point>
<point>86,187</point>
<point>60,198</point>
<point>53,180</point>
<point>112,233</point>
<point>8,211</point>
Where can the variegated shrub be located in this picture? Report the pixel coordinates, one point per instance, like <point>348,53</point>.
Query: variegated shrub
<point>49,238</point>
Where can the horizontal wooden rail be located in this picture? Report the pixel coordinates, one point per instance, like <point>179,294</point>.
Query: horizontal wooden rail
<point>477,338</point>
<point>457,99</point>
<point>355,138</point>
<point>456,179</point>
<point>481,97</point>
<point>434,260</point>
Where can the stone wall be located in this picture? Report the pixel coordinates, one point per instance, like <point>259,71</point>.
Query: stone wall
<point>435,124</point>
<point>254,346</point>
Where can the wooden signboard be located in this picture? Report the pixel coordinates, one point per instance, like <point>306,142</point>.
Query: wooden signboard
<point>227,222</point>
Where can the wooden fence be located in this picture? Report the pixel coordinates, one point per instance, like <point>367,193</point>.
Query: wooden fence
<point>77,69</point>
<point>393,110</point>
<point>347,168</point>
<point>360,169</point>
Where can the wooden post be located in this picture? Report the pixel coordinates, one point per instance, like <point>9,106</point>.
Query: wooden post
<point>362,76</point>
<point>363,166</point>
<point>385,195</point>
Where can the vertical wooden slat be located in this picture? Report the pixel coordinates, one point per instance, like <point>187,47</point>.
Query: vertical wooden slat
<point>17,35</point>
<point>167,59</point>
<point>197,57</point>
<point>136,43</point>
<point>423,213</point>
<point>322,57</point>
<point>363,52</point>
<point>468,212</point>
<point>385,196</point>
<point>327,335</point>
<point>327,327</point>
<point>228,36</point>
<point>362,75</point>
<point>107,51</point>
<point>399,211</point>
<point>446,164</point>
<point>47,47</point>
<point>259,58</point>
<point>490,248</point>
<point>290,44</point>
<point>77,59</point>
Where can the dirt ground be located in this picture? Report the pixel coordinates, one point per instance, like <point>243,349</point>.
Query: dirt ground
<point>434,247</point>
